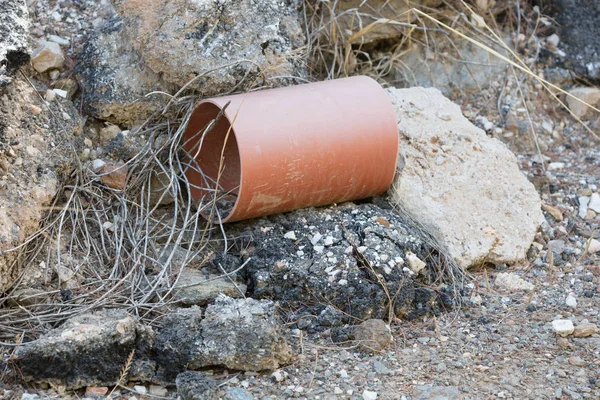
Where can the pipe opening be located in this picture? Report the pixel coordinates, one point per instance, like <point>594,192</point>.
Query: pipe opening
<point>214,180</point>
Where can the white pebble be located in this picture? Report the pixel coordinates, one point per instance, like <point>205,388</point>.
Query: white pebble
<point>368,395</point>
<point>563,327</point>
<point>290,235</point>
<point>571,301</point>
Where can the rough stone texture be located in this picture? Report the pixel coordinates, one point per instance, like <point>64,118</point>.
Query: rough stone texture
<point>577,23</point>
<point>196,386</point>
<point>14,36</point>
<point>451,66</point>
<point>374,335</point>
<point>48,56</point>
<point>191,288</point>
<point>35,152</point>
<point>241,334</point>
<point>327,274</point>
<point>510,281</point>
<point>87,350</point>
<point>116,79</point>
<point>585,329</point>
<point>460,183</point>
<point>590,95</point>
<point>175,341</point>
<point>238,334</point>
<point>563,327</point>
<point>183,38</point>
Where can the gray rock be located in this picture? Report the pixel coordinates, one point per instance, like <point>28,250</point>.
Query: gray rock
<point>196,386</point>
<point>477,70</point>
<point>381,369</point>
<point>197,288</point>
<point>333,280</point>
<point>14,36</point>
<point>238,394</point>
<point>175,341</point>
<point>116,78</point>
<point>241,334</point>
<point>180,39</point>
<point>87,350</point>
<point>432,392</point>
<point>374,335</point>
<point>238,334</point>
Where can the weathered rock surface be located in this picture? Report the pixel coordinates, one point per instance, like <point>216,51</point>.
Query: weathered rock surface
<point>87,350</point>
<point>590,95</point>
<point>196,386</point>
<point>511,281</point>
<point>35,149</point>
<point>48,56</point>
<point>14,36</point>
<point>195,287</point>
<point>374,335</point>
<point>332,270</point>
<point>116,78</point>
<point>241,334</point>
<point>238,334</point>
<point>465,186</point>
<point>453,65</point>
<point>181,39</point>
<point>175,341</point>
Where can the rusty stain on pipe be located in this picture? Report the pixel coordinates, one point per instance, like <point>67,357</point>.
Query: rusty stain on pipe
<point>293,147</point>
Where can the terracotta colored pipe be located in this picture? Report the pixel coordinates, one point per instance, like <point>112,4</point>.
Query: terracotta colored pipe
<point>295,147</point>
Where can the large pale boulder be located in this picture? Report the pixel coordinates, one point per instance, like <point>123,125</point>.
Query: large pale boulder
<point>244,42</point>
<point>466,187</point>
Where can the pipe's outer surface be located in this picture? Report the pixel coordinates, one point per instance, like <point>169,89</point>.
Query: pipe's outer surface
<point>294,147</point>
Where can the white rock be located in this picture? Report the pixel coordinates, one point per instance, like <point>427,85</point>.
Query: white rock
<point>368,395</point>
<point>337,390</point>
<point>47,56</point>
<point>139,389</point>
<point>590,95</point>
<point>584,202</point>
<point>343,374</point>
<point>548,126</point>
<point>61,93</point>
<point>315,239</point>
<point>594,246</point>
<point>50,95</point>
<point>414,262</point>
<point>290,235</point>
<point>511,281</point>
<point>553,41</point>
<point>97,164</point>
<point>563,327</point>
<point>556,165</point>
<point>595,203</point>
<point>58,40</point>
<point>571,301</point>
<point>478,201</point>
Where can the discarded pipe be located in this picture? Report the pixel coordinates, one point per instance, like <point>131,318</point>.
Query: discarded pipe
<point>278,150</point>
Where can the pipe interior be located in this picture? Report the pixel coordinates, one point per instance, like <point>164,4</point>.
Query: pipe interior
<point>204,176</point>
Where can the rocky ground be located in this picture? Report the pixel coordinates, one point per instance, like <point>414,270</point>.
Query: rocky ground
<point>503,342</point>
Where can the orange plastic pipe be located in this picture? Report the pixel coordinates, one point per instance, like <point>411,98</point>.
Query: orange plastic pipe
<point>294,147</point>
